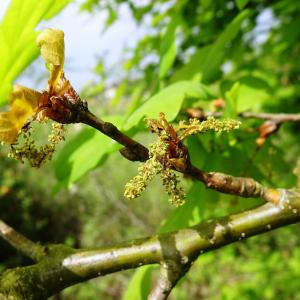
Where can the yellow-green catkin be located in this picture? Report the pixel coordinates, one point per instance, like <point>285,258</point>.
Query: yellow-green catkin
<point>172,187</point>
<point>195,126</point>
<point>146,172</point>
<point>36,156</point>
<point>159,161</point>
<point>152,167</point>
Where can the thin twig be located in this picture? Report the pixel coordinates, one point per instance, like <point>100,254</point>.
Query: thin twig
<point>133,150</point>
<point>277,118</point>
<point>20,242</point>
<point>240,186</point>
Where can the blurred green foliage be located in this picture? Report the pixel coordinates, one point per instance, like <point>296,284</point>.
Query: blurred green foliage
<point>243,52</point>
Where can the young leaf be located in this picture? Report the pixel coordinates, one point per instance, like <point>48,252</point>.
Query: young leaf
<point>140,284</point>
<point>24,102</point>
<point>190,212</point>
<point>231,101</point>
<point>241,3</point>
<point>168,49</point>
<point>207,61</point>
<point>52,45</point>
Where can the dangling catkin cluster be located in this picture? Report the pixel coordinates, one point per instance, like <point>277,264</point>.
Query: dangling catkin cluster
<point>38,155</point>
<point>169,153</point>
<point>172,187</point>
<point>152,167</point>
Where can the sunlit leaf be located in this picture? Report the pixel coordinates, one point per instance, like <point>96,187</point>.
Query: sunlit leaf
<point>190,212</point>
<point>241,3</point>
<point>231,100</point>
<point>252,93</point>
<point>140,284</point>
<point>24,102</point>
<point>168,49</point>
<point>51,43</point>
<point>207,60</point>
<point>8,130</point>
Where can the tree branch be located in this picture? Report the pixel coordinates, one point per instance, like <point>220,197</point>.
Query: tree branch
<point>277,118</point>
<point>133,150</point>
<point>239,186</point>
<point>62,266</point>
<point>20,242</point>
<point>170,273</point>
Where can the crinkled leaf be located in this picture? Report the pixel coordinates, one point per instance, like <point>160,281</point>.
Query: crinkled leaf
<point>24,102</point>
<point>169,101</point>
<point>51,42</point>
<point>31,97</point>
<point>52,45</point>
<point>8,130</point>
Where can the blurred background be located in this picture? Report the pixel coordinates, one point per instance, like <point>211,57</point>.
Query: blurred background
<point>118,54</point>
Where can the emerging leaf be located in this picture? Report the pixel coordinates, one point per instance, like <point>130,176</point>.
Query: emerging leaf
<point>24,103</point>
<point>8,130</point>
<point>51,43</point>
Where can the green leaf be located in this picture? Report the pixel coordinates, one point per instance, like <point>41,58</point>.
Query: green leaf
<point>119,93</point>
<point>17,37</point>
<point>207,61</point>
<point>84,153</point>
<point>253,92</point>
<point>198,153</point>
<point>241,3</point>
<point>168,49</point>
<point>190,213</point>
<point>169,100</point>
<point>135,99</point>
<point>231,101</point>
<point>193,68</point>
<point>111,18</point>
<point>140,284</point>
